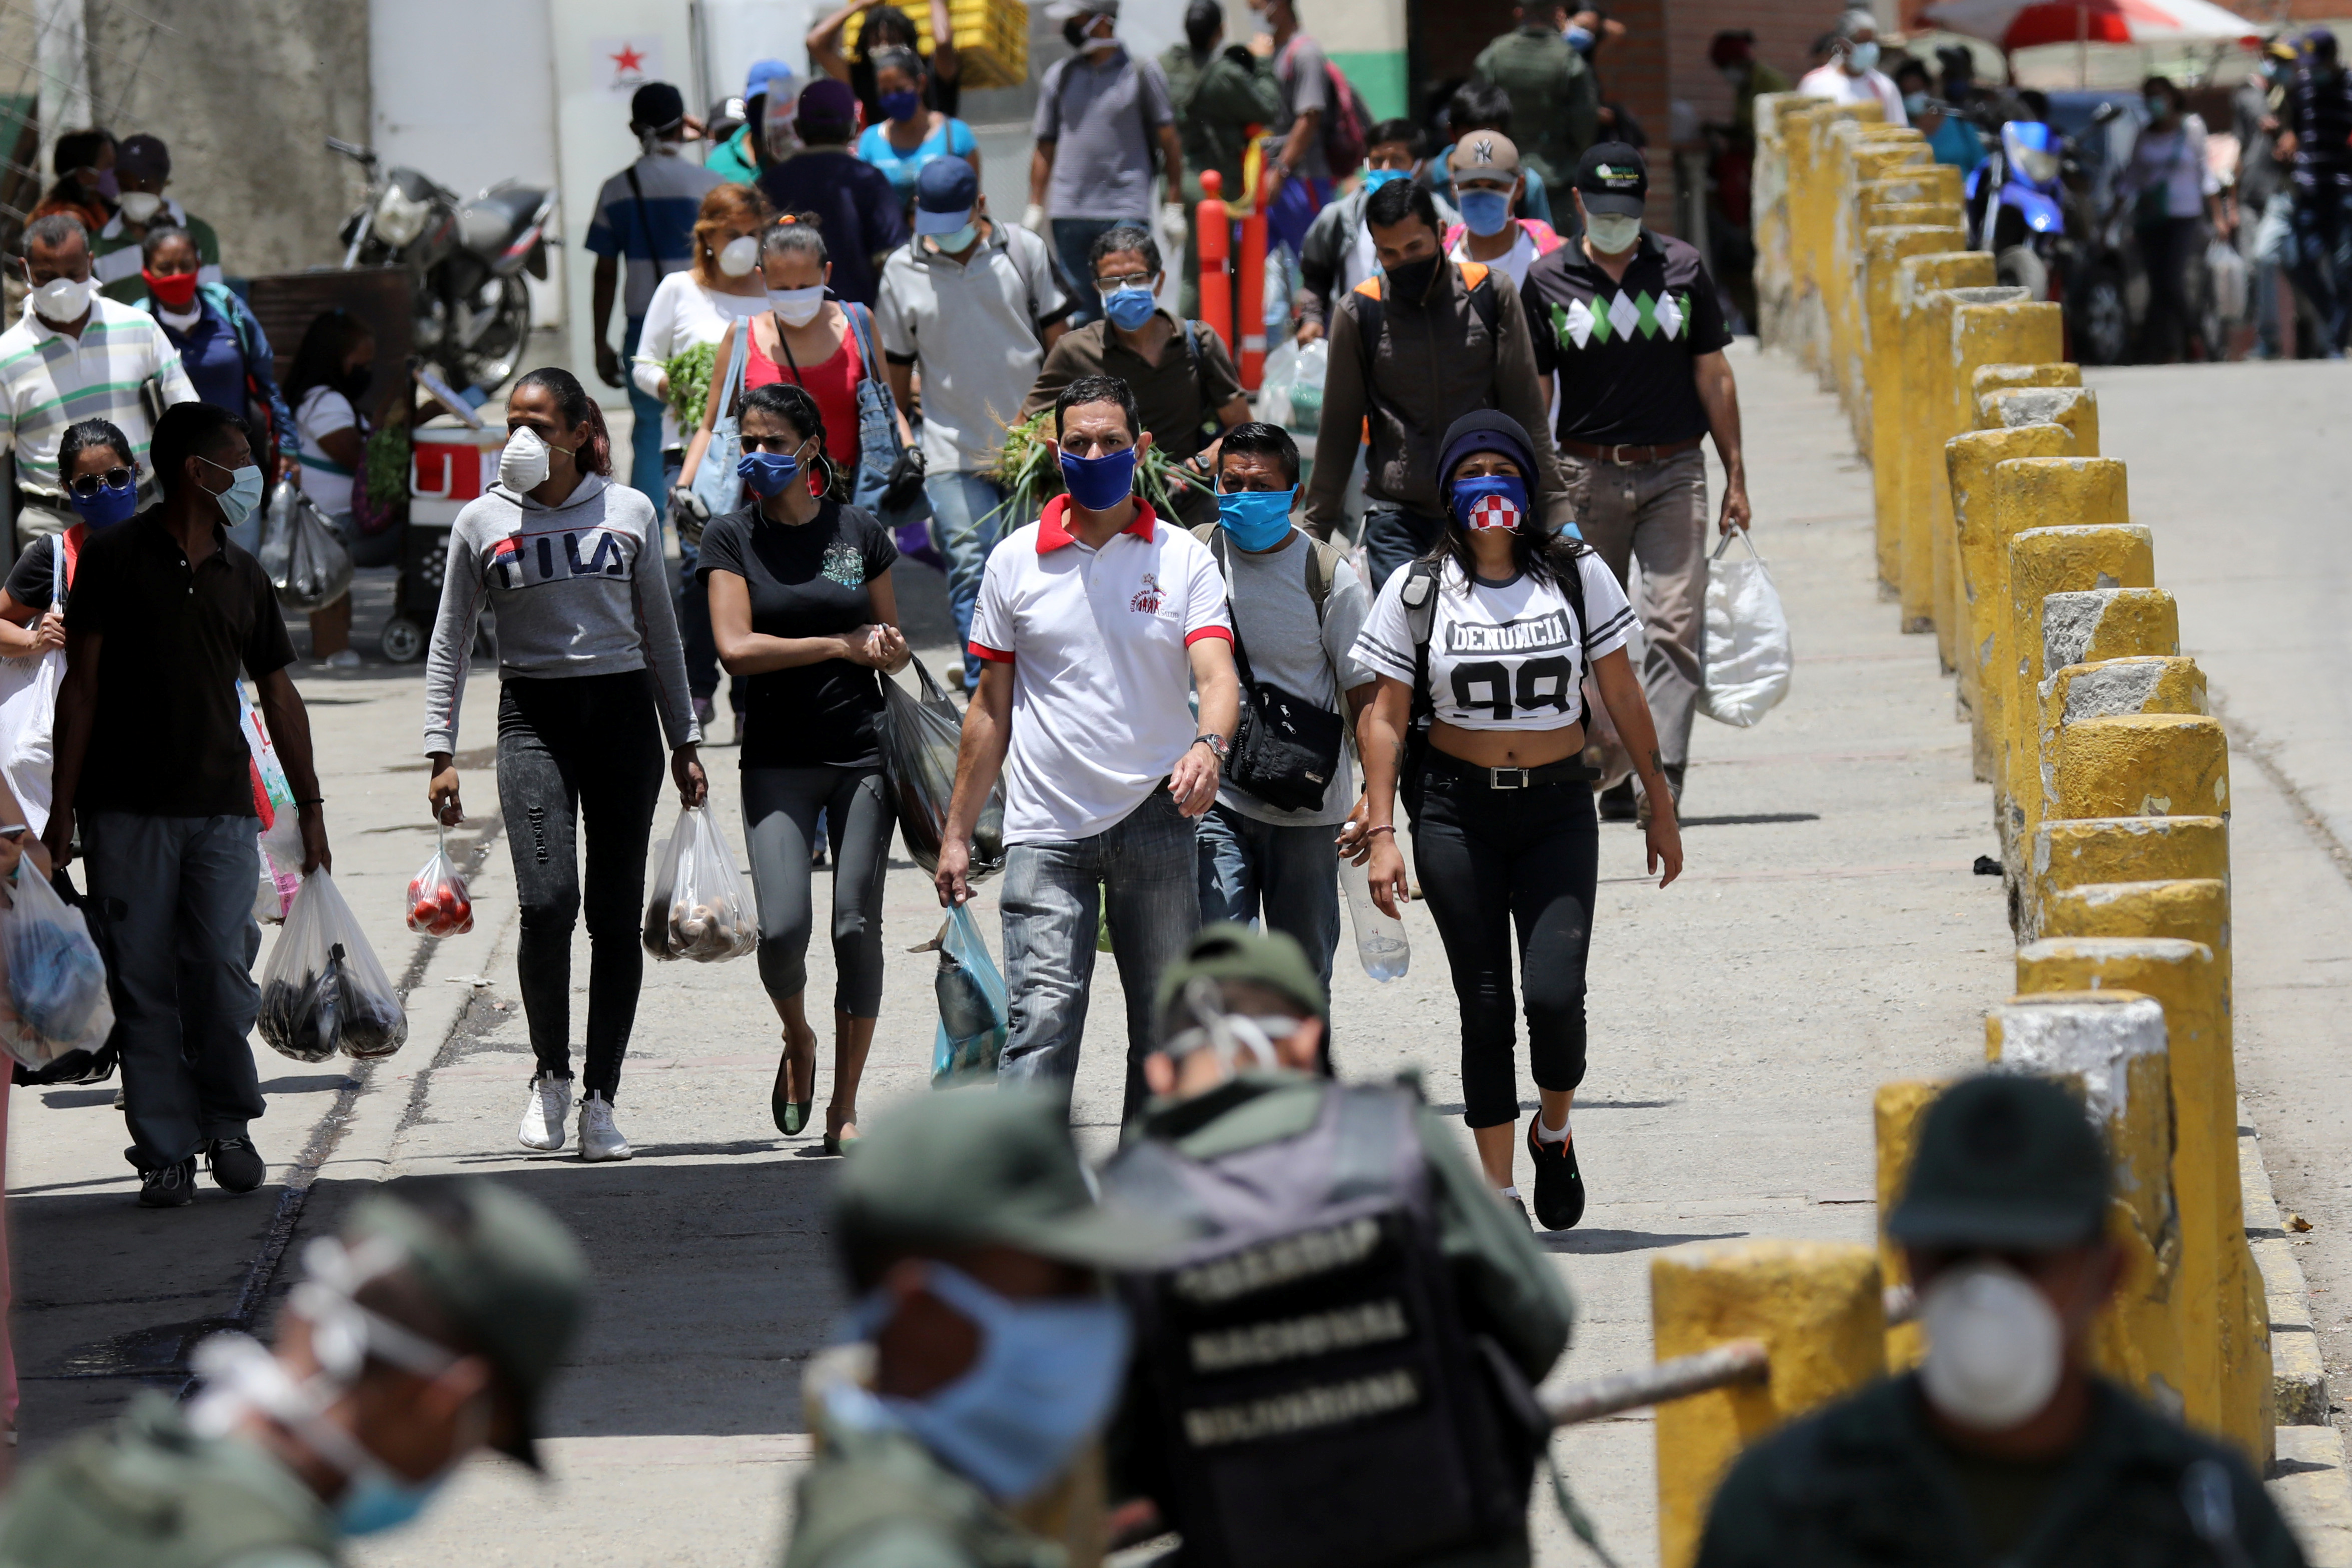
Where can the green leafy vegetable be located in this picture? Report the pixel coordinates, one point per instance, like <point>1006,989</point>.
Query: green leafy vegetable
<point>1032,476</point>
<point>385,462</point>
<point>689,383</point>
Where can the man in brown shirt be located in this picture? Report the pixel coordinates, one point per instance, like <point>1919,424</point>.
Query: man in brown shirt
<point>1412,350</point>
<point>1186,392</point>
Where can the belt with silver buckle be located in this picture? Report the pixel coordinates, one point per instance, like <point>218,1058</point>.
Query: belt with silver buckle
<point>1569,770</point>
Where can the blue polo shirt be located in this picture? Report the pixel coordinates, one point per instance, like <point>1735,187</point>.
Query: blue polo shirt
<point>651,225</point>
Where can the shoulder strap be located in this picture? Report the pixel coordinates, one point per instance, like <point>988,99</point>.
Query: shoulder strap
<point>645,224</point>
<point>1571,588</point>
<point>1322,570</point>
<point>1478,281</point>
<point>1420,588</point>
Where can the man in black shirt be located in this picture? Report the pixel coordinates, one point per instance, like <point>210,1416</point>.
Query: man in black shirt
<point>2316,117</point>
<point>1631,324</point>
<point>165,614</point>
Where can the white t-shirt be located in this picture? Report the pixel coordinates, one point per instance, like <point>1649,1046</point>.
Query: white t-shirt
<point>681,314</point>
<point>1101,683</point>
<point>1513,262</point>
<point>322,412</point>
<point>1501,656</point>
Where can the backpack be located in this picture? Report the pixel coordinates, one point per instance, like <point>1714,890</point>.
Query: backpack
<point>1307,1393</point>
<point>1346,124</point>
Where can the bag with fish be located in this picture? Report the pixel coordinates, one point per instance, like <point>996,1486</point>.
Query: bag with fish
<point>973,1005</point>
<point>322,990</point>
<point>919,736</point>
<point>55,1000</point>
<point>699,908</point>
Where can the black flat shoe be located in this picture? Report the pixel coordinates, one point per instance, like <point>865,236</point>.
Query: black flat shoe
<point>791,1115</point>
<point>1559,1187</point>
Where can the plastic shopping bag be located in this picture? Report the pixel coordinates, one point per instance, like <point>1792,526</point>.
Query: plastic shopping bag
<point>1291,394</point>
<point>1743,655</point>
<point>28,706</point>
<point>273,802</point>
<point>700,908</point>
<point>305,558</point>
<point>973,1006</point>
<point>2231,281</point>
<point>437,903</point>
<point>322,990</point>
<point>919,736</point>
<point>55,1000</point>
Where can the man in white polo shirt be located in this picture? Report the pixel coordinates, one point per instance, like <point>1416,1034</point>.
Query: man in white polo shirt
<point>1095,624</point>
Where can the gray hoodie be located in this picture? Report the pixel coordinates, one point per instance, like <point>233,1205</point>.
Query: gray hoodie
<point>579,589</point>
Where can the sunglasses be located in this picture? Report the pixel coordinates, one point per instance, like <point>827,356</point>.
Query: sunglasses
<point>87,486</point>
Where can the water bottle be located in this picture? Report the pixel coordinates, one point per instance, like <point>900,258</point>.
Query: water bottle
<point>1379,938</point>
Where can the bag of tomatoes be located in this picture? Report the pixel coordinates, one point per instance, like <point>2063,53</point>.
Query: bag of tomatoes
<point>437,902</point>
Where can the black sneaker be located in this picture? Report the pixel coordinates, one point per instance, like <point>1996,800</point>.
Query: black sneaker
<point>1522,1210</point>
<point>236,1166</point>
<point>173,1187</point>
<point>1617,803</point>
<point>1559,1187</point>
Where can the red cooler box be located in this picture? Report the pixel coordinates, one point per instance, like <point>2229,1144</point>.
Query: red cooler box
<point>450,466</point>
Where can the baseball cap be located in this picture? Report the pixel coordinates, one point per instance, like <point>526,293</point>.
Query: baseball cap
<point>1225,951</point>
<point>1612,178</point>
<point>827,105</point>
<point>143,157</point>
<point>945,193</point>
<point>1485,154</point>
<point>510,1277</point>
<point>2004,1160</point>
<point>657,106</point>
<point>980,1166</point>
<point>762,72</point>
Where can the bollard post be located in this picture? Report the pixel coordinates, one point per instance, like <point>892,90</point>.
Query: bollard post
<point>2075,407</point>
<point>1942,375</point>
<point>1818,1307</point>
<point>2109,1046</point>
<point>1769,215</point>
<point>1212,231</point>
<point>1895,1113</point>
<point>1970,461</point>
<point>2141,765</point>
<point>2103,688</point>
<point>2221,1313</point>
<point>2001,377</point>
<point>1859,154</point>
<point>1919,279</point>
<point>2071,852</point>
<point>1249,289</point>
<point>1892,389</point>
<point>2009,330</point>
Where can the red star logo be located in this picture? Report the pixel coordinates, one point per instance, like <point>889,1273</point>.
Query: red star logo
<point>628,60</point>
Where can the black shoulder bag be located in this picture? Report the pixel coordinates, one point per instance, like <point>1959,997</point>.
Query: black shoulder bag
<point>1287,750</point>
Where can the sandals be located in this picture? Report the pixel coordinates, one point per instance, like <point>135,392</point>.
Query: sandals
<point>792,1115</point>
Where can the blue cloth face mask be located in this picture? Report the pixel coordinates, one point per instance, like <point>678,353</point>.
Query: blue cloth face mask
<point>381,1501</point>
<point>1257,520</point>
<point>1129,308</point>
<point>1486,212</point>
<point>1579,39</point>
<point>1046,1376</point>
<point>1493,501</point>
<point>109,506</point>
<point>770,473</point>
<point>1100,484</point>
<point>901,105</point>
<point>244,492</point>
<point>1375,178</point>
<point>1863,57</point>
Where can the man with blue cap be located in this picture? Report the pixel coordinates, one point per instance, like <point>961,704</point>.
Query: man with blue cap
<point>745,155</point>
<point>974,305</point>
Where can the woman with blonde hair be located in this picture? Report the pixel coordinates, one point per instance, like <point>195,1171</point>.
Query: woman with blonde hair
<point>697,306</point>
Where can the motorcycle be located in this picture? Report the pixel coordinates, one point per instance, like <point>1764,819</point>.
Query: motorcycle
<point>2017,209</point>
<point>466,260</point>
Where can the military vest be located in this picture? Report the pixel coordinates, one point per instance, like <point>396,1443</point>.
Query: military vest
<point>868,1479</point>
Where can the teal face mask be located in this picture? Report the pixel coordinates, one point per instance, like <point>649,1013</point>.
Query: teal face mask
<point>956,240</point>
<point>244,492</point>
<point>378,1502</point>
<point>1375,178</point>
<point>1256,520</point>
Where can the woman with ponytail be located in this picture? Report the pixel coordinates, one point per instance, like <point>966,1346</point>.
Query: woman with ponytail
<point>801,602</point>
<point>591,680</point>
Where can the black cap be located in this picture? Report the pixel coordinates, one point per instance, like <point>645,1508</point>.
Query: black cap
<point>2008,1162</point>
<point>1612,178</point>
<point>657,106</point>
<point>143,157</point>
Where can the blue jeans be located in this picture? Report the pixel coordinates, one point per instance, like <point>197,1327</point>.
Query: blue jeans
<point>646,428</point>
<point>1073,238</point>
<point>1287,872</point>
<point>2323,260</point>
<point>173,896</point>
<point>1393,538</point>
<point>1145,865</point>
<point>967,521</point>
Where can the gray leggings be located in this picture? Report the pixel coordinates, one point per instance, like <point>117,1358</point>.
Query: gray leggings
<point>779,809</point>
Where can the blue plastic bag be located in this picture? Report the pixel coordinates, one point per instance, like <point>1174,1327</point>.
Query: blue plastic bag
<point>55,999</point>
<point>974,1005</point>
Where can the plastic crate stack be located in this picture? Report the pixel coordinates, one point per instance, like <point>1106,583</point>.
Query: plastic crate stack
<point>992,40</point>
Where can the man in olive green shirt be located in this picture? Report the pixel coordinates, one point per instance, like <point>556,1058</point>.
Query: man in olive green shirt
<point>1554,102</point>
<point>432,1326</point>
<point>1219,91</point>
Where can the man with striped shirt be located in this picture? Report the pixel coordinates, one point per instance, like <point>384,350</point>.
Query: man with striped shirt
<point>73,355</point>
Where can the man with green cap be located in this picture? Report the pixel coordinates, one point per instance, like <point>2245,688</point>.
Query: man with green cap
<point>1335,1364</point>
<point>2004,1446</point>
<point>957,1426</point>
<point>430,1328</point>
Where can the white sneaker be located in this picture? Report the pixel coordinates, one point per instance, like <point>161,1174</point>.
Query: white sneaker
<point>599,1139</point>
<point>546,1111</point>
<point>342,658</point>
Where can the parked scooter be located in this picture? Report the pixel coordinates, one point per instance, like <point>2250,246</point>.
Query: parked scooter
<point>2017,209</point>
<point>466,260</point>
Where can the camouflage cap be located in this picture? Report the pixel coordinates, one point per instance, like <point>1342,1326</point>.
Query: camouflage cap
<point>2004,1162</point>
<point>506,1270</point>
<point>979,1166</point>
<point>1226,951</point>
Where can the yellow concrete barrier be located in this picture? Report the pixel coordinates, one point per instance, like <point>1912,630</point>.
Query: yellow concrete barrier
<point>2219,1312</point>
<point>1893,391</point>
<point>2075,407</point>
<point>2072,853</point>
<point>2106,689</point>
<point>2010,330</point>
<point>1969,461</point>
<point>1860,153</point>
<point>1895,1113</point>
<point>1818,1307</point>
<point>2100,552</point>
<point>2141,765</point>
<point>1943,378</point>
<point>2109,1045</point>
<point>1918,472</point>
<point>2001,377</point>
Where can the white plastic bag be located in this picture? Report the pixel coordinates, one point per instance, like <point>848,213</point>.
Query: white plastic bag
<point>2230,282</point>
<point>307,562</point>
<point>28,706</point>
<point>699,908</point>
<point>1745,656</point>
<point>1291,394</point>
<point>322,990</point>
<point>55,1000</point>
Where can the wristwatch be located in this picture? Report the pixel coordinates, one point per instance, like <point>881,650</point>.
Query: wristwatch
<point>1216,744</point>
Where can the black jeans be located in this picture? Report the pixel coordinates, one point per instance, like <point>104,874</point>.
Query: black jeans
<point>580,752</point>
<point>1489,860</point>
<point>2167,249</point>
